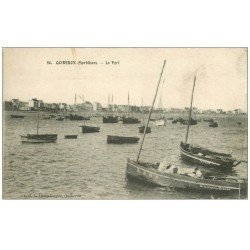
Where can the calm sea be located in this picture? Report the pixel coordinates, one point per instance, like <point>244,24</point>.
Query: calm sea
<point>89,168</point>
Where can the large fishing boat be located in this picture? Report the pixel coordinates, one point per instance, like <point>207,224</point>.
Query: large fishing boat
<point>148,173</point>
<point>202,156</point>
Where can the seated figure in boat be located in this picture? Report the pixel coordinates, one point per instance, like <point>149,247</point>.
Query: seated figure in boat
<point>196,173</point>
<point>167,167</point>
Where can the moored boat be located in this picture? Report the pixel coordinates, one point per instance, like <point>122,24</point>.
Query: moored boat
<point>149,173</point>
<point>213,124</point>
<point>89,129</point>
<point>202,156</point>
<point>39,138</point>
<point>60,118</point>
<point>121,139</point>
<point>160,122</point>
<point>130,120</point>
<point>205,157</point>
<point>142,129</point>
<point>17,116</point>
<point>70,136</point>
<point>110,119</point>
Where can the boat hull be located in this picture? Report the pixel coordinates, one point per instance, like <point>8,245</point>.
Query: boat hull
<point>110,119</point>
<point>89,129</point>
<point>41,138</point>
<point>203,161</point>
<point>142,128</point>
<point>151,176</point>
<point>17,116</point>
<point>70,136</point>
<point>121,139</point>
<point>160,122</point>
<point>130,120</point>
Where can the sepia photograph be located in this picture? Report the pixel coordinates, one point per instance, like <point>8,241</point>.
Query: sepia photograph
<point>125,123</point>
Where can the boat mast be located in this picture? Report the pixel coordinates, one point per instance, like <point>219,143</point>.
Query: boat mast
<point>142,111</point>
<point>83,110</point>
<point>37,120</point>
<point>190,110</point>
<point>108,103</point>
<point>128,105</point>
<point>75,104</point>
<point>112,105</point>
<point>150,111</point>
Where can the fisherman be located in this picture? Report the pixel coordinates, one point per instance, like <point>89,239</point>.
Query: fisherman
<point>167,167</point>
<point>198,173</point>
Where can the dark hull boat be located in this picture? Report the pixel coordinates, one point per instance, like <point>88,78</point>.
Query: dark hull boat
<point>17,116</point>
<point>130,120</point>
<point>121,139</point>
<point>205,157</point>
<point>89,129</point>
<point>148,173</point>
<point>110,119</point>
<point>192,122</point>
<point>39,138</point>
<point>213,125</point>
<point>78,118</point>
<point>46,117</point>
<point>60,119</point>
<point>208,120</point>
<point>142,128</point>
<point>70,136</point>
<point>180,120</point>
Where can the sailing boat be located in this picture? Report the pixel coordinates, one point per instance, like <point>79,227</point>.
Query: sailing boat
<point>149,173</point>
<point>38,138</point>
<point>142,128</point>
<point>110,118</point>
<point>129,119</point>
<point>85,128</point>
<point>76,117</point>
<point>203,156</point>
<point>161,121</point>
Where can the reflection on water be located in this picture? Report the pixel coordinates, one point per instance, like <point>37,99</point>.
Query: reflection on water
<point>89,168</point>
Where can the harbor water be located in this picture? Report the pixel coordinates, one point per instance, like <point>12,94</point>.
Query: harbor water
<point>89,168</point>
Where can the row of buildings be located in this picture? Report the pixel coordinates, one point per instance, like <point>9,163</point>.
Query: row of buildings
<point>34,104</point>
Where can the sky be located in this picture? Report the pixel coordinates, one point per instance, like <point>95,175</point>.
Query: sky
<point>221,76</point>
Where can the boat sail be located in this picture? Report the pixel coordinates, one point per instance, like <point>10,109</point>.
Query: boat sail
<point>38,138</point>
<point>142,128</point>
<point>85,128</point>
<point>110,118</point>
<point>129,119</point>
<point>150,173</point>
<point>161,121</point>
<point>202,156</point>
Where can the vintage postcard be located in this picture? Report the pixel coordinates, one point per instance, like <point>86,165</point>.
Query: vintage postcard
<point>125,123</point>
